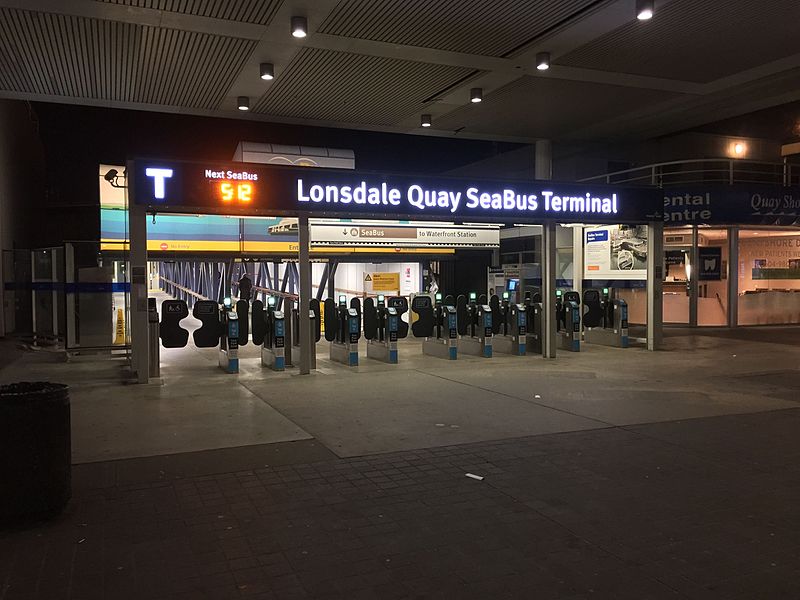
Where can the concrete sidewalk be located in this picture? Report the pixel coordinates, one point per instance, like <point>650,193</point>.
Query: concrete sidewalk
<point>420,403</point>
<point>696,509</point>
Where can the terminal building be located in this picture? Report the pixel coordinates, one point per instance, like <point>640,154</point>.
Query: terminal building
<point>679,218</point>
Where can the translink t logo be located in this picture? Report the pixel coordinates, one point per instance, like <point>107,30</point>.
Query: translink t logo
<point>159,176</point>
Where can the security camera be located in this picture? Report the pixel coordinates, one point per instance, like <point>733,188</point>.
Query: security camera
<point>111,175</point>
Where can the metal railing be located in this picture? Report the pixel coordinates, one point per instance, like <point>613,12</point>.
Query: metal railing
<point>704,170</point>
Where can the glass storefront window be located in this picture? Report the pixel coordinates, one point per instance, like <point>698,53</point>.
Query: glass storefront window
<point>677,275</point>
<point>769,276</point>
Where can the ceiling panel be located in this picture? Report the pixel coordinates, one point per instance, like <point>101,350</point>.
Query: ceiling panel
<point>353,88</point>
<point>484,27</point>
<point>247,11</point>
<point>547,107</point>
<point>62,55</point>
<point>696,41</point>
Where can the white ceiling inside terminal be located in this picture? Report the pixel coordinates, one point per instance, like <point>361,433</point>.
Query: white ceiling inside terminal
<point>379,64</point>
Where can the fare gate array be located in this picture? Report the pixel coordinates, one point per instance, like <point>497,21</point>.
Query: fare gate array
<point>448,326</point>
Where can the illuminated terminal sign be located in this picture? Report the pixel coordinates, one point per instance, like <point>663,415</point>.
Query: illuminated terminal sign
<point>257,189</point>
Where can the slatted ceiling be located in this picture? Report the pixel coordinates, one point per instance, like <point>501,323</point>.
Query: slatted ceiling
<point>485,27</point>
<point>548,107</point>
<point>259,12</point>
<point>354,88</point>
<point>62,55</point>
<point>696,40</point>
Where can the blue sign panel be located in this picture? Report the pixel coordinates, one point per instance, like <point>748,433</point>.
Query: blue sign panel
<point>597,236</point>
<point>241,189</point>
<point>732,205</point>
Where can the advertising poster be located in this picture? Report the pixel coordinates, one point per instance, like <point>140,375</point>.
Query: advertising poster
<point>615,252</point>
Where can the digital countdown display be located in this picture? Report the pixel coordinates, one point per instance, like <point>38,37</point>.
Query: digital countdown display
<point>245,189</point>
<point>232,186</point>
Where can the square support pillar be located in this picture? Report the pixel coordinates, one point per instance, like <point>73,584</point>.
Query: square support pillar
<point>137,234</point>
<point>306,344</point>
<point>655,278</point>
<point>733,277</point>
<point>549,290</point>
<point>577,259</point>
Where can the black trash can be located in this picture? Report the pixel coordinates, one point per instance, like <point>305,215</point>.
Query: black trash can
<point>35,450</point>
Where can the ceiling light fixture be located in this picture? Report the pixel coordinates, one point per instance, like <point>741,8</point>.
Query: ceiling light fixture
<point>645,9</point>
<point>543,61</point>
<point>267,71</point>
<point>243,102</point>
<point>476,95</point>
<point>425,121</point>
<point>299,27</point>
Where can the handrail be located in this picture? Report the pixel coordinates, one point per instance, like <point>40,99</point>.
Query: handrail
<point>728,170</point>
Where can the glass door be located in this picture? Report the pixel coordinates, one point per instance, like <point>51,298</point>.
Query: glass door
<point>677,276</point>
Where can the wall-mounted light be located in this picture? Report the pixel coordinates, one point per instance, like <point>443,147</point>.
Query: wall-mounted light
<point>476,95</point>
<point>243,103</point>
<point>299,27</point>
<point>645,9</point>
<point>267,71</point>
<point>543,61</point>
<point>737,149</point>
<point>425,121</point>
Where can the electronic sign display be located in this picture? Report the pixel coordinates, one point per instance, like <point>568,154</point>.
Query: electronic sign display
<point>241,188</point>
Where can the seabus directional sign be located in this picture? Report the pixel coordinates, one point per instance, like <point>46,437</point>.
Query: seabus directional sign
<point>354,194</point>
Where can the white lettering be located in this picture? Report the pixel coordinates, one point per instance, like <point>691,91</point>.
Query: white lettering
<point>159,176</point>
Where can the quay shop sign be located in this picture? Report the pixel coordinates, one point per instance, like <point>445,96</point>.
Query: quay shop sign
<point>238,188</point>
<point>732,205</point>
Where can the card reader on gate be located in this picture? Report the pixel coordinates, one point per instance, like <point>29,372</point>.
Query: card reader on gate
<point>344,348</point>
<point>229,340</point>
<point>273,350</point>
<point>605,321</point>
<point>479,342</point>
<point>445,342</point>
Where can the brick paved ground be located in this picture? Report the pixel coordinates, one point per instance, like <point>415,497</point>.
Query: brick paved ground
<point>705,508</point>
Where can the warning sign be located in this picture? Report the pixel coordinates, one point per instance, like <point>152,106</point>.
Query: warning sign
<point>382,282</point>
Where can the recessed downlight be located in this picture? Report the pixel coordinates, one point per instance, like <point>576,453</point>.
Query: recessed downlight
<point>543,61</point>
<point>645,9</point>
<point>299,27</point>
<point>267,71</point>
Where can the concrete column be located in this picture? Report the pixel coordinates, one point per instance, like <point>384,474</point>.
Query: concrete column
<point>544,159</point>
<point>577,259</point>
<point>306,344</point>
<point>694,278</point>
<point>137,234</point>
<point>655,278</point>
<point>549,290</point>
<point>733,277</point>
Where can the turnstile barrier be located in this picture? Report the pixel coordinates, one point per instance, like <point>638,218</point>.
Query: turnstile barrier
<point>169,330</point>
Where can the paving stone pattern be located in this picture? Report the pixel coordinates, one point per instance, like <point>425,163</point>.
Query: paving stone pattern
<point>705,508</point>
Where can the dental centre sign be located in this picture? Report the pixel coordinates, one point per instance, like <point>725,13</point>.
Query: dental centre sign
<point>240,188</point>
